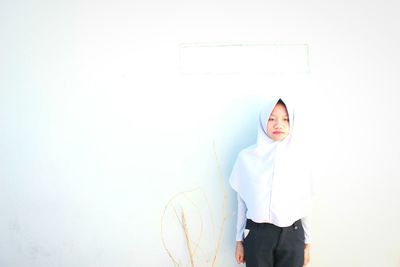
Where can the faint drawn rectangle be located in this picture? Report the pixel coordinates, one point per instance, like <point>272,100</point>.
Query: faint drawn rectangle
<point>244,58</point>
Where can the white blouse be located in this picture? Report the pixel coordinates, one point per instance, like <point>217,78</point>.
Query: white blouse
<point>242,218</point>
<point>273,179</point>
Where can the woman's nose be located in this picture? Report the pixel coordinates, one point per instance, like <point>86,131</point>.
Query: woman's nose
<point>278,125</point>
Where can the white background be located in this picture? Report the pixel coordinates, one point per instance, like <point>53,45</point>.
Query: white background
<point>100,128</point>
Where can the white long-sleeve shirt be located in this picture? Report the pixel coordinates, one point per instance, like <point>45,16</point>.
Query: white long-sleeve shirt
<point>242,218</point>
<point>273,179</point>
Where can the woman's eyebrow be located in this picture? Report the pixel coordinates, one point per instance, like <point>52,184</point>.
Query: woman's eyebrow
<point>275,115</point>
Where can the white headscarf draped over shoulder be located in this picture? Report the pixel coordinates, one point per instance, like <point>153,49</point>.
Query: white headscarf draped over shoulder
<point>272,177</point>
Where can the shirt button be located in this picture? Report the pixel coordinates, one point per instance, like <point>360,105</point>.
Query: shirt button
<point>296,227</point>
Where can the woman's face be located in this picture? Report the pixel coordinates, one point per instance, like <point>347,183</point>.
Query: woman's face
<point>278,123</point>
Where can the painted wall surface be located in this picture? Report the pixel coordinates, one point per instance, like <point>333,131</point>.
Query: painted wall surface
<point>115,151</point>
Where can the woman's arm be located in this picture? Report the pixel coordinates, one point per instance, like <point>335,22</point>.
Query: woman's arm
<point>241,219</point>
<point>305,222</point>
<point>241,224</point>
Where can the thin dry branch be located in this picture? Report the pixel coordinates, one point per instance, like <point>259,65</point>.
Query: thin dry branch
<point>176,263</point>
<point>187,239</point>
<point>224,208</point>
<point>183,222</point>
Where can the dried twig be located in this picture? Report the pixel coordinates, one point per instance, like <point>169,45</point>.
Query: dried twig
<point>187,239</point>
<point>176,263</point>
<point>183,222</point>
<point>224,208</point>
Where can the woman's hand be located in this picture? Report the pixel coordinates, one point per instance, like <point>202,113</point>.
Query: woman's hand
<point>239,254</point>
<point>306,254</point>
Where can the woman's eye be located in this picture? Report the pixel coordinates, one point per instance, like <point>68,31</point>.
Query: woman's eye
<point>286,119</point>
<point>270,119</point>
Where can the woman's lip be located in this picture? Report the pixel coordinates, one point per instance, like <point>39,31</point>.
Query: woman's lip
<point>277,132</point>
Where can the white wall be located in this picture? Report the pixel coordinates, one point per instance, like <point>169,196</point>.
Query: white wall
<point>101,128</point>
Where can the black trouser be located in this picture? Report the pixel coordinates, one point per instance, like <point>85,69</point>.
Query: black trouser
<point>267,245</point>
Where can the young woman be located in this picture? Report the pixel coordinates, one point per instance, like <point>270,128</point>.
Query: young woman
<point>274,188</point>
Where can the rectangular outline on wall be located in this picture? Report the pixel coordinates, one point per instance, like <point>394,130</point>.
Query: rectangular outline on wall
<point>216,66</point>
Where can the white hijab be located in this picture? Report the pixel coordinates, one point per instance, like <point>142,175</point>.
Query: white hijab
<point>272,177</point>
